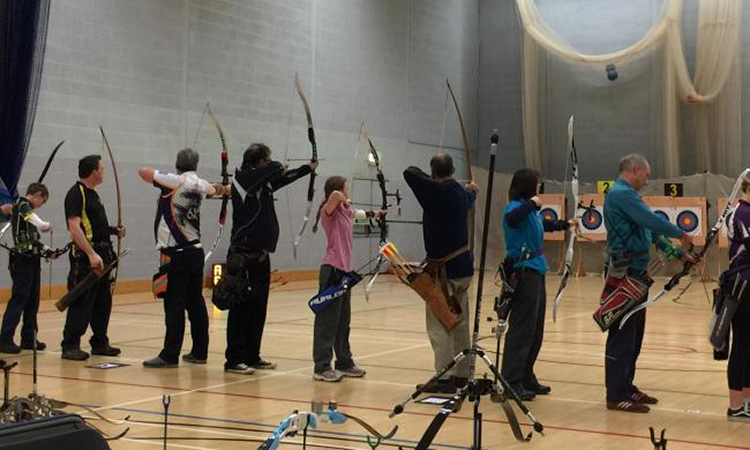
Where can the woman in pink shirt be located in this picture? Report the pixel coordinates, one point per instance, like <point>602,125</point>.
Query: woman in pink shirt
<point>332,323</point>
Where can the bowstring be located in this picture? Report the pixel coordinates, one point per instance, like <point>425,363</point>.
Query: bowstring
<point>445,115</point>
<point>286,161</point>
<point>200,125</point>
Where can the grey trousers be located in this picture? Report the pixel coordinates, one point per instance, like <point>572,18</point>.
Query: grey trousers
<point>331,329</point>
<point>447,344</point>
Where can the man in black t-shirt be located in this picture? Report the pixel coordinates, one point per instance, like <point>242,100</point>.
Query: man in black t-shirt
<point>90,230</point>
<point>25,267</point>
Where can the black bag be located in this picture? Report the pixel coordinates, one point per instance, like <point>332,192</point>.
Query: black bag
<point>727,299</point>
<point>504,301</point>
<point>233,287</point>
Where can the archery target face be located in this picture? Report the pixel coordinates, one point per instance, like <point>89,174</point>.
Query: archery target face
<point>592,220</point>
<point>663,214</point>
<point>687,221</point>
<point>686,218</point>
<point>551,212</point>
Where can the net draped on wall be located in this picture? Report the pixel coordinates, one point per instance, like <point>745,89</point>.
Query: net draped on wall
<point>23,36</point>
<point>550,63</point>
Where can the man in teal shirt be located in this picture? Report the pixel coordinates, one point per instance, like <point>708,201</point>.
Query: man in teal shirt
<point>631,229</point>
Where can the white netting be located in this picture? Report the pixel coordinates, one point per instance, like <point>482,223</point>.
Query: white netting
<point>558,75</point>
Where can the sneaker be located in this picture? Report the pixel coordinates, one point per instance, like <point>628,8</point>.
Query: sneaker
<point>158,363</point>
<point>106,351</point>
<point>643,398</point>
<point>9,347</point>
<point>741,414</point>
<point>188,357</point>
<point>523,393</point>
<point>241,368</point>
<point>30,346</point>
<point>539,389</point>
<point>263,365</point>
<point>353,372</point>
<point>329,375</point>
<point>75,354</point>
<point>447,386</point>
<point>628,406</point>
<point>460,382</point>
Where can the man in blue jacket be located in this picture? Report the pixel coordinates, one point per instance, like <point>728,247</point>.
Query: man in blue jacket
<point>631,229</point>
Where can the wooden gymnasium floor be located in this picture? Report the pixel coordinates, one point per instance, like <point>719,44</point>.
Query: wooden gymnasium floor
<point>389,341</point>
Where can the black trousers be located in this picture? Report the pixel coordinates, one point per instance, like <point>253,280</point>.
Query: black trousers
<point>185,292</point>
<point>245,321</point>
<point>622,351</point>
<point>738,368</point>
<point>92,308</point>
<point>525,330</point>
<point>331,330</point>
<point>24,299</point>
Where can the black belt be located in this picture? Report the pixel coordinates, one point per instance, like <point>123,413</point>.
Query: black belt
<point>180,248</point>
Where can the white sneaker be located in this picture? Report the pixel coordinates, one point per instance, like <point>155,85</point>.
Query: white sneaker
<point>329,375</point>
<point>241,368</point>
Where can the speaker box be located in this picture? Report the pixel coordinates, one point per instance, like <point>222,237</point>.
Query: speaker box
<point>66,432</point>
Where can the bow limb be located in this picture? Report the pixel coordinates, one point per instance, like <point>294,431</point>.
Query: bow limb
<point>313,159</point>
<point>49,162</point>
<point>467,149</point>
<point>119,204</point>
<point>467,155</point>
<point>370,429</point>
<point>224,181</point>
<point>573,155</point>
<point>687,265</point>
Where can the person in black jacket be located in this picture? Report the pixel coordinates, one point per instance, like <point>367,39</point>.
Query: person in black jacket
<point>255,233</point>
<point>446,205</point>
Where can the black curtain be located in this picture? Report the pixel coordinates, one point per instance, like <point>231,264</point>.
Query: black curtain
<point>23,34</point>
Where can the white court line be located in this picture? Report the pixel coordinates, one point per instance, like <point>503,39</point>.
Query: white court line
<point>253,379</point>
<point>654,408</point>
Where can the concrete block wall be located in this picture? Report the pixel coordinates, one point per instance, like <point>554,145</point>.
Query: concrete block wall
<point>144,70</point>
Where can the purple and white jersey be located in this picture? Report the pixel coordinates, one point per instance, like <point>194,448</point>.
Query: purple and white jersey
<point>739,236</point>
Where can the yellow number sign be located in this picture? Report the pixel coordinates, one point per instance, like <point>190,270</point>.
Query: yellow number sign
<point>602,187</point>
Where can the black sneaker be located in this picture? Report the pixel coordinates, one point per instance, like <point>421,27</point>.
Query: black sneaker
<point>9,347</point>
<point>158,363</point>
<point>263,365</point>
<point>460,382</point>
<point>523,393</point>
<point>188,357</point>
<point>75,354</point>
<point>439,387</point>
<point>539,389</point>
<point>30,346</point>
<point>741,414</point>
<point>106,351</point>
<point>628,406</point>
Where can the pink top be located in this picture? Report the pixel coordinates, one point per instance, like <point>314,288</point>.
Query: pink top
<point>338,228</point>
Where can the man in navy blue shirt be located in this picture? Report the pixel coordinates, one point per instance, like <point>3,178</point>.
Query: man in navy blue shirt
<point>446,205</point>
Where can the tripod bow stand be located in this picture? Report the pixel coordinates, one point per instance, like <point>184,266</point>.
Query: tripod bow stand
<point>476,388</point>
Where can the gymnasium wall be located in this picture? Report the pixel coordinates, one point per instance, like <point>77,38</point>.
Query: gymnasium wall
<point>144,69</point>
